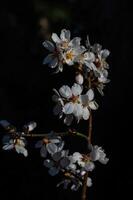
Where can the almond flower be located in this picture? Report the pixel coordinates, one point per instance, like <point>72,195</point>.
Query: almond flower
<point>55,58</point>
<point>72,103</point>
<point>64,41</point>
<point>98,153</point>
<point>64,51</point>
<point>17,144</point>
<point>51,145</point>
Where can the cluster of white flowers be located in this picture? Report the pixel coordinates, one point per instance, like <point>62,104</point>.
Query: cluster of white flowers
<point>88,58</point>
<point>71,102</point>
<point>75,102</point>
<point>15,140</point>
<point>74,166</point>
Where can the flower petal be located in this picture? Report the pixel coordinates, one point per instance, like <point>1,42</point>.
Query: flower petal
<point>8,147</point>
<point>90,94</point>
<point>78,110</point>
<point>68,120</point>
<point>64,162</point>
<point>53,62</point>
<point>21,149</point>
<point>53,171</point>
<point>68,108</point>
<point>49,45</point>
<point>76,89</point>
<point>89,182</point>
<point>57,156</point>
<point>51,148</point>
<point>65,35</point>
<point>55,38</point>
<point>48,59</point>
<point>89,166</point>
<point>57,109</point>
<point>105,53</point>
<point>86,113</point>
<point>93,105</point>
<point>75,42</point>
<point>43,151</point>
<point>65,91</point>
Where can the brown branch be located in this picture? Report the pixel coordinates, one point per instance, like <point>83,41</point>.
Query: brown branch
<point>84,187</point>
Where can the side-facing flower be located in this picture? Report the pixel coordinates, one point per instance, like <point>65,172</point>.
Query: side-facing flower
<point>18,144</point>
<point>55,58</point>
<point>98,154</point>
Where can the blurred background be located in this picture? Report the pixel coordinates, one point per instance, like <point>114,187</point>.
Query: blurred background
<point>26,90</point>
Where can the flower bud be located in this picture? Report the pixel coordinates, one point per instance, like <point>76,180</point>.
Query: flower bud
<point>79,79</point>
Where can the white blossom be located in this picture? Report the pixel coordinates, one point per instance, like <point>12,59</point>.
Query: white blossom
<point>98,154</point>
<point>17,144</point>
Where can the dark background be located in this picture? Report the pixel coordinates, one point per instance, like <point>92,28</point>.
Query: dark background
<point>26,89</point>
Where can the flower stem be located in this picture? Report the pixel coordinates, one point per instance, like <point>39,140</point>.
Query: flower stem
<point>84,188</point>
<point>45,135</point>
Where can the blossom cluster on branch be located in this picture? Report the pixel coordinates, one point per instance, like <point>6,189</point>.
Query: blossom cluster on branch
<point>72,102</point>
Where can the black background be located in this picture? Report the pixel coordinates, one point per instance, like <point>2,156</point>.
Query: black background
<point>26,89</point>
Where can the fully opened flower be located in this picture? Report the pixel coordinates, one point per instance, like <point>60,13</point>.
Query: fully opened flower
<point>55,58</point>
<point>72,103</point>
<point>51,145</point>
<point>98,153</point>
<point>17,144</point>
<point>64,42</point>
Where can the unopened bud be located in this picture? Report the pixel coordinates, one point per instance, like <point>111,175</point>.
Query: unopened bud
<point>79,79</point>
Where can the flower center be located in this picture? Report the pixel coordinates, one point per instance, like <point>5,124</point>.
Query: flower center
<point>64,44</point>
<point>75,99</point>
<point>69,55</point>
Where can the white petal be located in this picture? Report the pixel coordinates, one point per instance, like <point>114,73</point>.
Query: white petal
<point>64,162</point>
<point>78,111</point>
<point>89,182</point>
<point>86,113</point>
<point>105,53</point>
<point>21,149</point>
<point>49,45</point>
<point>55,38</point>
<point>53,62</point>
<point>65,91</point>
<point>68,108</point>
<point>53,171</point>
<point>89,56</point>
<point>76,89</point>
<point>57,156</point>
<point>57,109</point>
<point>68,120</point>
<point>93,105</point>
<point>48,59</point>
<point>51,148</point>
<point>79,79</point>
<point>43,151</point>
<point>90,94</point>
<point>8,147</point>
<point>89,166</point>
<point>65,35</point>
<point>75,42</point>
